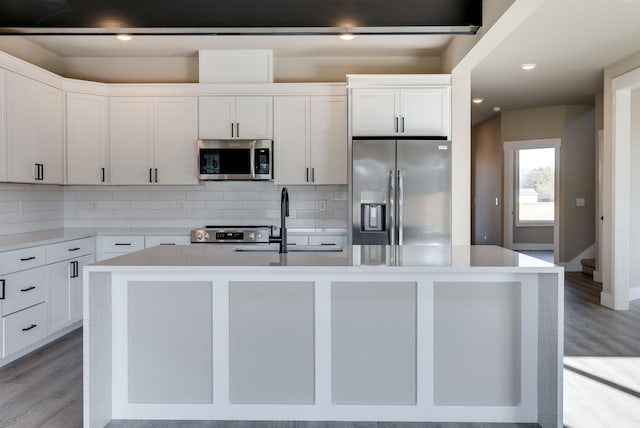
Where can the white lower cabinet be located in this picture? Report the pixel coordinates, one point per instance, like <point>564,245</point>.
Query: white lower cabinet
<point>40,294</point>
<point>64,292</point>
<point>24,328</point>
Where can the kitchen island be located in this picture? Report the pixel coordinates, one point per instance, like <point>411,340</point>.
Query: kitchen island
<point>372,333</point>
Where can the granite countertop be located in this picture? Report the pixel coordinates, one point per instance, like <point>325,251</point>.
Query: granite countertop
<point>356,258</point>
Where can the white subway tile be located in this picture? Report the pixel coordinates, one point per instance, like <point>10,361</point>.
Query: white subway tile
<point>113,205</point>
<point>167,196</point>
<point>205,196</point>
<point>130,196</point>
<point>223,205</point>
<point>261,205</point>
<point>112,223</point>
<point>150,205</point>
<point>9,207</point>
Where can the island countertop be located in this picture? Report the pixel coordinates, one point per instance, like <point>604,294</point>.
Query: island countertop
<point>356,258</point>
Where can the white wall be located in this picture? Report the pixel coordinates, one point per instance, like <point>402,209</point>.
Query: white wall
<point>635,196</point>
<point>226,203</point>
<point>30,207</point>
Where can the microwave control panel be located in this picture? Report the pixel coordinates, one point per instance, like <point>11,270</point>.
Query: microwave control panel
<point>262,161</point>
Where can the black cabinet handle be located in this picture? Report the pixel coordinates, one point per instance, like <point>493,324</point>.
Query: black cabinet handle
<point>41,171</point>
<point>156,175</point>
<point>31,327</point>
<point>231,129</point>
<point>167,243</point>
<point>24,290</point>
<point>150,175</point>
<point>2,284</point>
<point>26,259</point>
<point>74,269</point>
<point>104,177</point>
<point>313,175</point>
<point>237,129</point>
<point>123,243</point>
<point>74,249</point>
<point>307,179</point>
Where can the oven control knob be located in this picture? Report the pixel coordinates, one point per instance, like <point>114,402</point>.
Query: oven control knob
<point>206,236</point>
<point>258,235</point>
<point>199,236</point>
<point>252,236</point>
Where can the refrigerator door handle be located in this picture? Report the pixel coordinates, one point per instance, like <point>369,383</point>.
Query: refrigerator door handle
<point>392,207</point>
<point>400,206</point>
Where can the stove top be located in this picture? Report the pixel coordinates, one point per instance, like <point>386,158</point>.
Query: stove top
<point>212,234</point>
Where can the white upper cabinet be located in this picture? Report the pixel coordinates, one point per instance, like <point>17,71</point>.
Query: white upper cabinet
<point>424,111</point>
<point>235,117</point>
<point>34,131</point>
<point>174,144</point>
<point>86,139</point>
<point>291,135</point>
<point>131,139</point>
<point>329,140</point>
<point>3,126</point>
<point>153,140</point>
<point>310,139</point>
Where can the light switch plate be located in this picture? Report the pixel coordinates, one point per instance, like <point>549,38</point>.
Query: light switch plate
<point>580,202</point>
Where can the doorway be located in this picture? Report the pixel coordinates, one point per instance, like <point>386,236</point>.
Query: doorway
<point>531,192</point>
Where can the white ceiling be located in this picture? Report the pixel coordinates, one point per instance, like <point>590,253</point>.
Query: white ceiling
<point>572,41</point>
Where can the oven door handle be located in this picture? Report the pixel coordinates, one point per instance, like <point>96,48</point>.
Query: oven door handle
<point>252,159</point>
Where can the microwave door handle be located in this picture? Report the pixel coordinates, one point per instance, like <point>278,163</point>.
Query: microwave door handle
<point>392,209</point>
<point>252,160</point>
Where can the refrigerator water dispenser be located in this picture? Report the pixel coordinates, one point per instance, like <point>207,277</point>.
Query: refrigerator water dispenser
<point>373,216</point>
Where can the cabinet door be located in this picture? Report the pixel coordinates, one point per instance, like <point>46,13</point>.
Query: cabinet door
<point>86,138</point>
<point>254,117</point>
<point>329,140</point>
<point>21,127</point>
<point>175,140</point>
<point>49,146</point>
<point>75,289</point>
<point>425,112</point>
<point>58,295</point>
<point>291,139</point>
<point>216,115</point>
<point>3,125</point>
<point>375,112</point>
<point>131,128</point>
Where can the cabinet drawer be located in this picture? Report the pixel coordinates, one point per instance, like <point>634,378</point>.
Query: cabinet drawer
<point>27,258</point>
<point>152,241</point>
<point>339,240</point>
<point>297,239</point>
<point>24,328</point>
<point>122,244</point>
<point>23,289</point>
<point>70,249</point>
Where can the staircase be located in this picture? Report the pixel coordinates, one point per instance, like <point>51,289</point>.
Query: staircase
<point>588,266</point>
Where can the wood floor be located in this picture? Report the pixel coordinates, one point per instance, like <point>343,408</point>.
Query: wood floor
<point>601,388</point>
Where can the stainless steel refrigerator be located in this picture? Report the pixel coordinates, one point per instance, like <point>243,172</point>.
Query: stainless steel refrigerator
<point>401,192</point>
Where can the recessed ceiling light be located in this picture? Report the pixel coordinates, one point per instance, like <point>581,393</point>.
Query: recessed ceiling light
<point>124,37</point>
<point>478,100</point>
<point>496,108</point>
<point>347,36</point>
<point>529,66</point>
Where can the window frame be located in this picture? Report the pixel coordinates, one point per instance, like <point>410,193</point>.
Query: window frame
<point>516,190</point>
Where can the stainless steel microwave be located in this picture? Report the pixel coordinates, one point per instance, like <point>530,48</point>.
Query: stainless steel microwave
<point>235,159</point>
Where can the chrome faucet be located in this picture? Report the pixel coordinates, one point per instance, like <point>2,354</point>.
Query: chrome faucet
<point>284,213</point>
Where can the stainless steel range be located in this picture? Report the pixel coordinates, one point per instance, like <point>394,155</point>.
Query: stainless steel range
<point>231,235</point>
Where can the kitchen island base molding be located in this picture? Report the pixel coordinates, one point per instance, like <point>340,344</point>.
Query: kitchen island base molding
<point>434,346</point>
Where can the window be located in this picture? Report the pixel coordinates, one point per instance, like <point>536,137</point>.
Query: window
<point>535,195</point>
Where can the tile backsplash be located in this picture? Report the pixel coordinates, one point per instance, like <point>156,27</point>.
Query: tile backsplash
<point>219,203</point>
<point>30,207</point>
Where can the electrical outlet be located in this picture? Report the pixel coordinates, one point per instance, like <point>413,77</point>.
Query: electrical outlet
<point>94,205</point>
<point>182,205</point>
<point>322,205</point>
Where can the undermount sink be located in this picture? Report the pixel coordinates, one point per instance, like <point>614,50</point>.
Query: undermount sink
<point>291,248</point>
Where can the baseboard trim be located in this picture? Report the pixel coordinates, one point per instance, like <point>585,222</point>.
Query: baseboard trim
<point>634,293</point>
<point>597,276</point>
<point>533,247</point>
<point>606,299</point>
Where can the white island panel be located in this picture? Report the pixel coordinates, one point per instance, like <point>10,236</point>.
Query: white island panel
<point>169,342</point>
<point>271,342</point>
<point>373,330</point>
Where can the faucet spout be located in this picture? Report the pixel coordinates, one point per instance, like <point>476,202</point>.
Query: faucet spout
<point>284,213</point>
